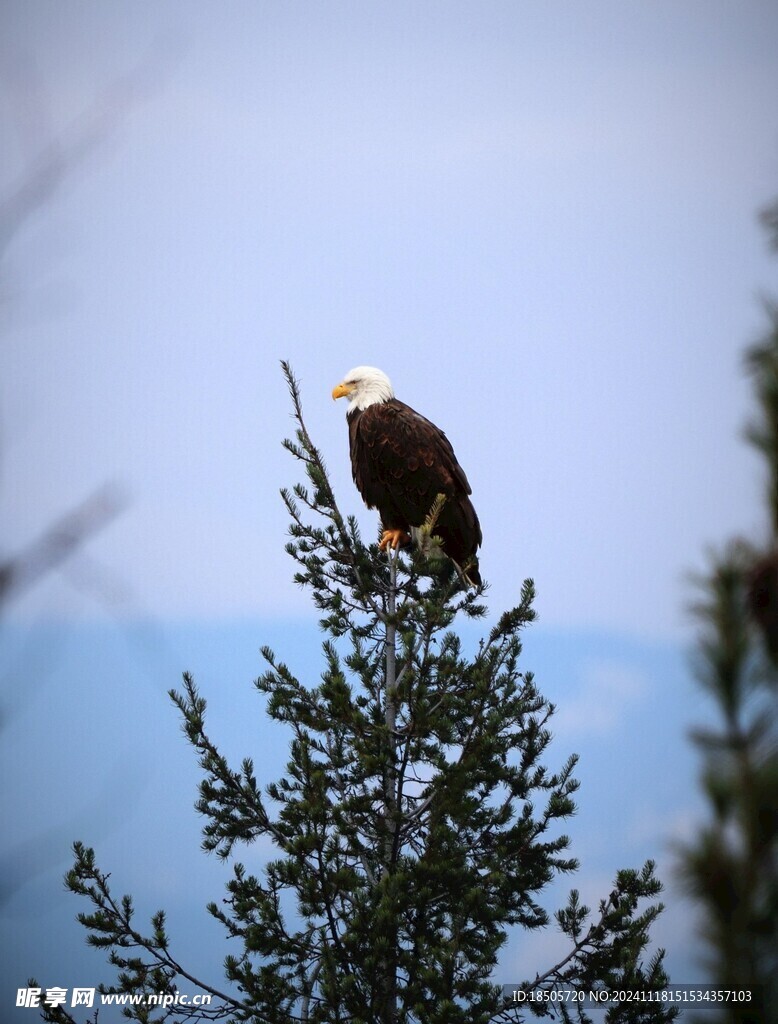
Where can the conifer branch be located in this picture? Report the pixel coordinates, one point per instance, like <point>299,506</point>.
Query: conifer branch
<point>111,925</point>
<point>311,457</point>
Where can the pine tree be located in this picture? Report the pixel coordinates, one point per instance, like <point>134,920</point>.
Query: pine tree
<point>732,866</point>
<point>416,822</point>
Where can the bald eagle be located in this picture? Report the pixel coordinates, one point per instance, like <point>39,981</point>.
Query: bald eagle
<point>400,463</point>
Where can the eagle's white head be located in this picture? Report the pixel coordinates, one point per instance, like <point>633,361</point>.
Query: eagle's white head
<point>364,386</point>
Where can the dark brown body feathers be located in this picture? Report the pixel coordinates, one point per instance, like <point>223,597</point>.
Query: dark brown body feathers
<point>400,463</point>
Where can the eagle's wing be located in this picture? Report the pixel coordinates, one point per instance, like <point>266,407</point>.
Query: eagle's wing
<point>400,457</point>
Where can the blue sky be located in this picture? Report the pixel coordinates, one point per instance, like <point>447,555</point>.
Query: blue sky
<point>539,220</point>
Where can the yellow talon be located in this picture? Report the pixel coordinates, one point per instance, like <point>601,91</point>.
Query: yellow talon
<point>393,539</point>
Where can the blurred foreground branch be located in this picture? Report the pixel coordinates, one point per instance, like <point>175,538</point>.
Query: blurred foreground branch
<point>61,154</point>
<point>731,867</point>
<point>60,540</point>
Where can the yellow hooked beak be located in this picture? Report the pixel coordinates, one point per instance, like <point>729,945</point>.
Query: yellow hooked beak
<point>342,390</point>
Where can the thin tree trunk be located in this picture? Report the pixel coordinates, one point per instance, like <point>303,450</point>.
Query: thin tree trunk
<point>390,810</point>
